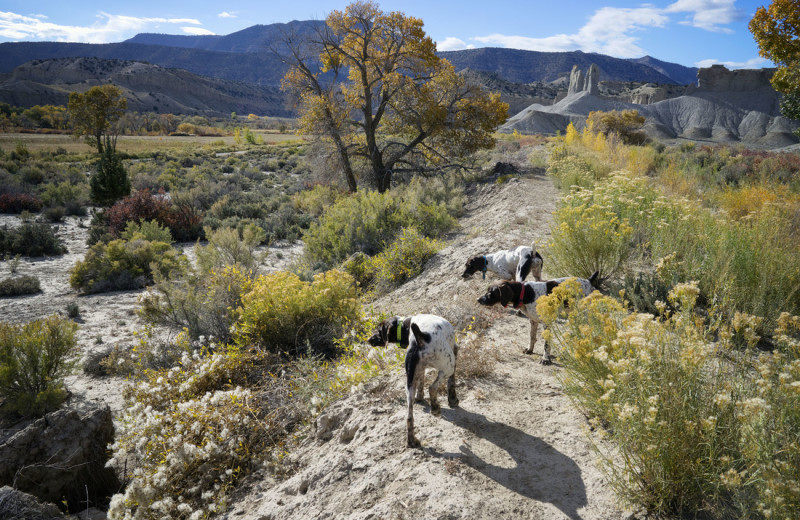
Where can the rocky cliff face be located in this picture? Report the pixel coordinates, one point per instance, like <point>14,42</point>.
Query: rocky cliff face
<point>724,106</point>
<point>717,78</point>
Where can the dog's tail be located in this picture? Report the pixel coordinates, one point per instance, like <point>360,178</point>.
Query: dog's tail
<point>593,279</point>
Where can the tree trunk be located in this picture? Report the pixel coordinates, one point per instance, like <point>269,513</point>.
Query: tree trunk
<point>383,178</point>
<point>344,159</point>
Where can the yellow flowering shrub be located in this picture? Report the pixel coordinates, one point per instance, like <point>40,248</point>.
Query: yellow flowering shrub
<point>282,313</point>
<point>587,238</point>
<point>652,385</point>
<point>771,425</point>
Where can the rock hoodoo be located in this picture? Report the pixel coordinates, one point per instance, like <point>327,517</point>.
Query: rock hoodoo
<point>724,106</point>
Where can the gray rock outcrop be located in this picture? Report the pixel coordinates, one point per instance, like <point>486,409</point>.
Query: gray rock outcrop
<point>725,106</point>
<point>575,81</point>
<point>592,80</point>
<point>16,505</point>
<point>62,456</point>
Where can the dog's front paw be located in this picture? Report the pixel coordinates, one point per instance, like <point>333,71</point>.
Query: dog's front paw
<point>528,351</point>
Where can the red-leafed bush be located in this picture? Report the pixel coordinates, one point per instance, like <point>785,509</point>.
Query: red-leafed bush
<point>139,206</point>
<point>19,202</point>
<point>182,219</point>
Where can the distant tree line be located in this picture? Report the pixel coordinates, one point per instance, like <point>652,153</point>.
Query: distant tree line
<point>57,118</point>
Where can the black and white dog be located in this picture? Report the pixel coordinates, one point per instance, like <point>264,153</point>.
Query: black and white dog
<point>523,296</point>
<point>508,264</point>
<point>432,344</point>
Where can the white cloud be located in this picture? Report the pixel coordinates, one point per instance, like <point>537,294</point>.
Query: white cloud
<point>608,31</point>
<point>753,63</point>
<point>453,44</point>
<point>197,31</point>
<point>227,15</point>
<point>109,28</point>
<point>708,14</point>
<point>612,30</point>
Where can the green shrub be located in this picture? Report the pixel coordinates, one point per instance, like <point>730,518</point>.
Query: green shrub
<point>403,259</point>
<point>30,239</point>
<point>72,197</point>
<point>205,303</point>
<point>359,222</point>
<point>54,214</point>
<point>73,311</point>
<point>151,231</point>
<point>315,200</point>
<point>19,286</point>
<point>285,314</point>
<point>111,182</point>
<point>33,361</point>
<point>227,247</point>
<point>122,265</point>
<point>367,221</point>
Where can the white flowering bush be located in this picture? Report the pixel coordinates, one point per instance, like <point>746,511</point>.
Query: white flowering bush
<point>187,435</point>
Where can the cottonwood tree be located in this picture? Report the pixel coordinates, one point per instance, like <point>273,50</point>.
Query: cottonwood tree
<point>776,29</point>
<point>94,113</point>
<point>370,84</point>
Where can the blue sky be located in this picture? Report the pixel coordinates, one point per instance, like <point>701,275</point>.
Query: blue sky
<point>689,32</point>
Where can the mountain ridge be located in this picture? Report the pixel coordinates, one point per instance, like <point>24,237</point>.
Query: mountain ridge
<point>147,87</point>
<point>245,56</point>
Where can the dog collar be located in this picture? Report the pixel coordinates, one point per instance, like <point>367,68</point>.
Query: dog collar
<point>485,263</point>
<point>399,329</point>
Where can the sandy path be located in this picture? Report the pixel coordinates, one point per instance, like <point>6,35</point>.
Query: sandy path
<point>515,448</point>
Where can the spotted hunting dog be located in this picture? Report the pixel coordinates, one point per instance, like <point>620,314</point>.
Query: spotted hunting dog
<point>431,343</point>
<point>508,264</point>
<point>523,296</point>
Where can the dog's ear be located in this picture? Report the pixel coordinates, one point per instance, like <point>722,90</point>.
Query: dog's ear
<point>423,338</point>
<point>387,326</point>
<point>551,284</point>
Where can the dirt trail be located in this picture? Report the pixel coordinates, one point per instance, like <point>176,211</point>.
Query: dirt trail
<point>515,447</point>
